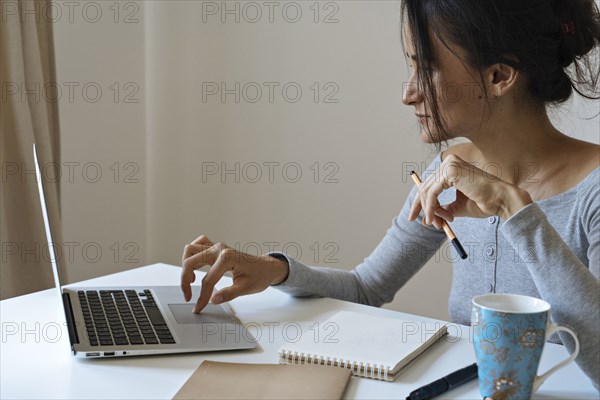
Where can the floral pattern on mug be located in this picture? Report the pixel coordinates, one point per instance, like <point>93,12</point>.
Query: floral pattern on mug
<point>531,338</point>
<point>487,347</point>
<point>505,387</point>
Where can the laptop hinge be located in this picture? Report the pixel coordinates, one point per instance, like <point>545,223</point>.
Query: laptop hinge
<point>70,318</point>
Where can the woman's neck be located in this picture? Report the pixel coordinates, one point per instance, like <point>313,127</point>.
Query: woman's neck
<point>524,147</point>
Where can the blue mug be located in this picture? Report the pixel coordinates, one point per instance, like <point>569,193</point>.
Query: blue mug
<point>509,335</point>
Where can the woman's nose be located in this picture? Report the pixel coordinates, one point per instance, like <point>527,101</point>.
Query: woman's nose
<point>412,92</point>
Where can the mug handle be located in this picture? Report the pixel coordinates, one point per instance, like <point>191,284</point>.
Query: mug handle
<point>539,379</point>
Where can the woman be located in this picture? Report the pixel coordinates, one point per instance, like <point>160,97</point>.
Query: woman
<point>486,71</point>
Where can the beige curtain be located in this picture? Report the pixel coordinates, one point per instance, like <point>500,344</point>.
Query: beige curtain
<point>28,114</point>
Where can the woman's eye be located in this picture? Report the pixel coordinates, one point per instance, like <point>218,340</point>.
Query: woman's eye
<point>428,68</point>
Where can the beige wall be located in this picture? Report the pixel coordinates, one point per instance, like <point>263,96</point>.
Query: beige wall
<point>360,143</point>
<point>100,67</point>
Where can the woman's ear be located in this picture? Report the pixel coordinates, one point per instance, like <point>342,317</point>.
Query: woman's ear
<point>501,79</point>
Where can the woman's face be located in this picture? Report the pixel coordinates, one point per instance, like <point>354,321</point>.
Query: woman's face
<point>458,87</point>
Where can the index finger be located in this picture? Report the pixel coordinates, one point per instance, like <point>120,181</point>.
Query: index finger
<point>415,208</point>
<point>203,239</point>
<point>192,249</point>
<point>223,264</point>
<point>190,264</point>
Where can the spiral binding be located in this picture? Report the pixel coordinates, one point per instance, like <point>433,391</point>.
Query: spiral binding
<point>366,370</point>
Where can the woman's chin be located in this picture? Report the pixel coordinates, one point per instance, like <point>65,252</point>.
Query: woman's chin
<point>431,138</point>
<point>427,137</point>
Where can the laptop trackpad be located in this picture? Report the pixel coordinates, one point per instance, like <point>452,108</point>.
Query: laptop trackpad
<point>212,313</point>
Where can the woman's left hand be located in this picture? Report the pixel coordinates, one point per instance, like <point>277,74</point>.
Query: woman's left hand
<point>478,194</point>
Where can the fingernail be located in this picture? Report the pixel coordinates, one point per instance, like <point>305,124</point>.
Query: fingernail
<point>195,311</point>
<point>218,299</point>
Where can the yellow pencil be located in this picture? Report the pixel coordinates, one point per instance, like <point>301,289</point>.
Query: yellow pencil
<point>449,232</point>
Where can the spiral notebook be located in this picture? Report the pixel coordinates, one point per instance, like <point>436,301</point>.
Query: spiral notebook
<point>370,346</point>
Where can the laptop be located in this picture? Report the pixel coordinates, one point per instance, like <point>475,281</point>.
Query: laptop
<point>140,320</point>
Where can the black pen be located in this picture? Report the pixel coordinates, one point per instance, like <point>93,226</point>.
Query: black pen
<point>444,384</point>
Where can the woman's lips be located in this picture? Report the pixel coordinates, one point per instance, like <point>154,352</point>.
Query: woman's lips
<point>422,118</point>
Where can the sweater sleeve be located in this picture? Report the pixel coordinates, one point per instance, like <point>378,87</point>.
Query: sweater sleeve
<point>571,287</point>
<point>406,247</point>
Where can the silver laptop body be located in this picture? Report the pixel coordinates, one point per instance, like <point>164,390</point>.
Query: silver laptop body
<point>140,320</point>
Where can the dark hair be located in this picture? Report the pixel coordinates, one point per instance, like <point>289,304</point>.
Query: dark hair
<point>550,41</point>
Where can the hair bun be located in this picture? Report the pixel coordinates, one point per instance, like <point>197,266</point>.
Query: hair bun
<point>579,28</point>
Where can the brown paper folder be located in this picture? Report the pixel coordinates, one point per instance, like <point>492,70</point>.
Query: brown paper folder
<point>220,380</point>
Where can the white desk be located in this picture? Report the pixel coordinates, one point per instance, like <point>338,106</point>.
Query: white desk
<point>36,361</point>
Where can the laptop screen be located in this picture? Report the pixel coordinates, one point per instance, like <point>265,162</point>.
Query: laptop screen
<point>51,250</point>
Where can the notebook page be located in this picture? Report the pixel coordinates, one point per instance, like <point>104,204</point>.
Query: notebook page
<point>362,338</point>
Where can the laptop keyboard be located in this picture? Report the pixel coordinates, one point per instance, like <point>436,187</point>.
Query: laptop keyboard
<point>123,317</point>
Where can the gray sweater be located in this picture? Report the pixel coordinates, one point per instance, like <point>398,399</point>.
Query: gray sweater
<point>549,249</point>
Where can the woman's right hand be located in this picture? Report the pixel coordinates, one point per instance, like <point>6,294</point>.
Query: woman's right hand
<point>251,274</point>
